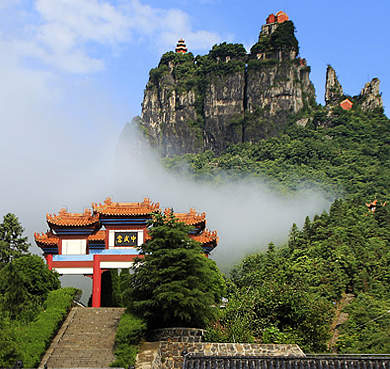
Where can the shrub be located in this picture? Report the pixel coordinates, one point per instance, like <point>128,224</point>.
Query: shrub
<point>9,350</point>
<point>24,285</point>
<point>36,336</point>
<point>130,332</point>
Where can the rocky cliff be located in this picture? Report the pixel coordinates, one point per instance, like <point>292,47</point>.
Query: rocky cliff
<point>370,98</point>
<point>192,104</point>
<point>370,95</point>
<point>229,96</point>
<point>333,90</point>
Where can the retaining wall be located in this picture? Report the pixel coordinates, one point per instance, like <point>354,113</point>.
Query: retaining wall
<point>174,341</point>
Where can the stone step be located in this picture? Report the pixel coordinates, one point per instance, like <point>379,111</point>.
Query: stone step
<point>146,356</point>
<point>86,339</point>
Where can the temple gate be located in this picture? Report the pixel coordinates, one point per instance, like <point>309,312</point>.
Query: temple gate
<point>108,237</point>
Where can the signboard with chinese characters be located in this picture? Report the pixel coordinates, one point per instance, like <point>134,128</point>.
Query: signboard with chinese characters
<point>126,239</point>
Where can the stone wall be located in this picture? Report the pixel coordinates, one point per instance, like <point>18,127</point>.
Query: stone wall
<point>175,341</point>
<point>172,352</point>
<point>177,335</point>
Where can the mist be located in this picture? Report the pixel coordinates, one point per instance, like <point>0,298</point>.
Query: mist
<point>247,214</point>
<point>58,158</point>
<point>59,149</point>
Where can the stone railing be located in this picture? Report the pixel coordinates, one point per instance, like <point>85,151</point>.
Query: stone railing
<point>177,335</point>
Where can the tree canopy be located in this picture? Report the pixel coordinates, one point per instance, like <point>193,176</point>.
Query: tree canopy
<point>283,38</point>
<point>293,293</point>
<point>12,242</point>
<point>24,285</point>
<point>175,284</point>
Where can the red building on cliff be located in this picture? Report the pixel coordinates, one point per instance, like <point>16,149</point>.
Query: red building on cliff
<point>279,17</point>
<point>272,22</point>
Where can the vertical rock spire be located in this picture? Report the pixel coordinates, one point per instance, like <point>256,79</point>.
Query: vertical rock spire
<point>371,97</point>
<point>333,90</point>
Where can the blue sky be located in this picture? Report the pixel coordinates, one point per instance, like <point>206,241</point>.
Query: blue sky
<point>70,46</point>
<point>73,72</point>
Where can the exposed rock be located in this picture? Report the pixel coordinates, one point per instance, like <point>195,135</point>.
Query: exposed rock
<point>169,118</point>
<point>370,96</point>
<point>302,122</point>
<point>281,87</point>
<point>228,96</point>
<point>274,92</point>
<point>333,90</point>
<point>223,110</point>
<point>245,105</point>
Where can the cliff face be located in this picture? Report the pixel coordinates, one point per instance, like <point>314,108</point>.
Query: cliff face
<point>192,104</point>
<point>169,118</point>
<point>242,106</point>
<point>370,95</point>
<point>333,90</point>
<point>226,97</point>
<point>223,110</point>
<point>275,91</point>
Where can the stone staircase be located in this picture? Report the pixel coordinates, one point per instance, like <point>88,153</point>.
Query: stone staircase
<point>148,356</point>
<point>85,340</point>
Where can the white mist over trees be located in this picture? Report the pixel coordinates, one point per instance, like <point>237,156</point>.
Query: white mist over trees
<point>247,214</point>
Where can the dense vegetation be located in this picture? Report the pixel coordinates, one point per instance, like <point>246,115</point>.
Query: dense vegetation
<point>34,338</point>
<point>294,293</point>
<point>283,39</point>
<point>351,157</point>
<point>24,286</point>
<point>32,307</point>
<point>290,295</point>
<point>131,331</point>
<point>174,284</point>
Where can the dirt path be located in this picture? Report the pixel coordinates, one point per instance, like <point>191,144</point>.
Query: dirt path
<point>340,318</point>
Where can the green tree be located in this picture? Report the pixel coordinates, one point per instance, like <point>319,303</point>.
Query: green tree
<point>175,284</point>
<point>24,285</point>
<point>9,350</point>
<point>284,37</point>
<point>12,242</point>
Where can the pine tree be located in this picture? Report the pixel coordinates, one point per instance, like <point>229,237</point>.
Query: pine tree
<point>24,285</point>
<point>12,244</point>
<point>175,284</point>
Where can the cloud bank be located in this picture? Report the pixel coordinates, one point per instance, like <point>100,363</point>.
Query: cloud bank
<point>60,124</point>
<point>247,214</point>
<point>71,35</point>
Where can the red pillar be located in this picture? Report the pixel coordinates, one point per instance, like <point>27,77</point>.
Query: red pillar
<point>49,261</point>
<point>97,281</point>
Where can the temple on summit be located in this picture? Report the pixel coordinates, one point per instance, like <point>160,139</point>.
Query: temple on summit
<point>181,46</point>
<point>273,21</point>
<point>108,237</point>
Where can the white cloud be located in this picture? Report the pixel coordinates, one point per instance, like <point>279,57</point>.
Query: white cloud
<point>75,36</point>
<point>202,39</point>
<point>165,27</point>
<point>88,20</point>
<point>67,29</point>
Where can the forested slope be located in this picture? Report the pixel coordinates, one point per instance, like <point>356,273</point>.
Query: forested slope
<point>290,294</point>
<point>351,157</point>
